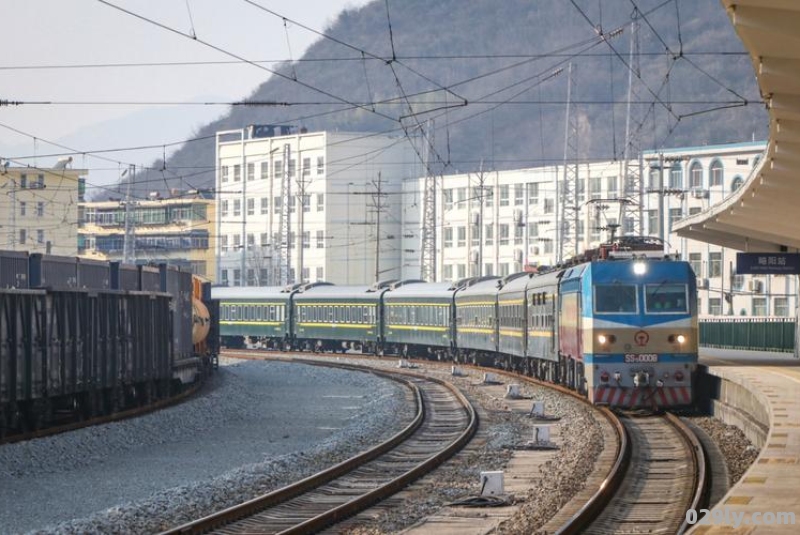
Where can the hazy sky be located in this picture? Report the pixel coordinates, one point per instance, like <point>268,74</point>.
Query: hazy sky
<point>58,33</point>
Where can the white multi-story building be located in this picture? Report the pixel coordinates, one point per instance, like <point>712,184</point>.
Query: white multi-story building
<point>496,223</point>
<point>343,217</point>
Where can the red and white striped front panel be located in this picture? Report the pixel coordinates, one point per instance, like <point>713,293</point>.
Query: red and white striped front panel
<point>673,396</point>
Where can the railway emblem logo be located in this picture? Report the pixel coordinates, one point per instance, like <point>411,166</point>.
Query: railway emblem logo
<point>641,338</point>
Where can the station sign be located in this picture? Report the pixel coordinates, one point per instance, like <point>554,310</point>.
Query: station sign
<point>768,263</point>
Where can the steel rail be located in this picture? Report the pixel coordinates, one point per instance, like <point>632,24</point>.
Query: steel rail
<point>274,498</point>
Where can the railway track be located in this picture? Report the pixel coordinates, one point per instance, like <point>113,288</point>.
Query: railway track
<point>444,423</point>
<point>664,476</point>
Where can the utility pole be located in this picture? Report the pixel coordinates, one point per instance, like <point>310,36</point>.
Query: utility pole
<point>378,205</point>
<point>301,197</point>
<point>284,257</point>
<point>428,230</point>
<point>479,223</point>
<point>129,242</point>
<point>243,175</point>
<point>632,174</point>
<point>567,193</point>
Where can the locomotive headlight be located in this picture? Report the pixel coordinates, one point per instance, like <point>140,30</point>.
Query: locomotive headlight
<point>639,268</point>
<point>604,339</point>
<point>677,338</point>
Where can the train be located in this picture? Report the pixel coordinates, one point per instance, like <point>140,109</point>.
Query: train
<point>82,337</point>
<point>617,324</point>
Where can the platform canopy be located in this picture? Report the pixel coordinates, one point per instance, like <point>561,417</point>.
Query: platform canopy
<point>763,215</point>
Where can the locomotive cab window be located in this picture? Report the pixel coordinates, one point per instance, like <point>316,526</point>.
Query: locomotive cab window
<point>615,299</point>
<point>666,298</point>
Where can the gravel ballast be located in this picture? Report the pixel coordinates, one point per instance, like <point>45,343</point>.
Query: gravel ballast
<point>256,426</point>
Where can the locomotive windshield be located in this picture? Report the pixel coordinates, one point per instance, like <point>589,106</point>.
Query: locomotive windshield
<point>666,298</point>
<point>615,299</point>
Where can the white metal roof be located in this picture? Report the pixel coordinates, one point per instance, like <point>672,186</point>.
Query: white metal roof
<point>763,214</point>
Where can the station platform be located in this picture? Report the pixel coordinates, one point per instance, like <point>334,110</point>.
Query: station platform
<point>769,488</point>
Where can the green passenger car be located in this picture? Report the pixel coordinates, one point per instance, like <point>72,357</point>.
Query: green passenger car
<point>254,316</point>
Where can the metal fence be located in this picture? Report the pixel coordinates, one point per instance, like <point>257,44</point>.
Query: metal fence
<point>759,334</point>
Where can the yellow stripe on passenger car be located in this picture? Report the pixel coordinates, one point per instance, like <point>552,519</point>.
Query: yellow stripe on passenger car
<point>335,325</point>
<point>234,322</point>
<point>515,334</point>
<point>416,328</point>
<point>476,331</point>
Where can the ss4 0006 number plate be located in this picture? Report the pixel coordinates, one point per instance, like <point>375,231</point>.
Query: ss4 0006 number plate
<point>642,358</point>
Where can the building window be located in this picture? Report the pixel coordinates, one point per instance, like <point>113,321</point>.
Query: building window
<point>533,193</point>
<point>320,202</point>
<point>306,203</point>
<point>652,222</point>
<point>264,170</point>
<point>292,167</point>
<point>40,209</point>
<point>251,240</point>
<point>22,208</point>
<point>448,272</point>
<point>277,204</point>
<point>264,205</point>
<point>488,234</point>
<point>695,210</point>
<point>462,271</point>
<point>549,206</point>
<point>251,277</point>
<point>595,185</point>
<point>306,273</point>
<point>447,195</point>
<point>237,241</point>
<point>461,196</point>
<point>696,176</point>
<point>22,236</point>
<point>237,277</point>
<point>306,166</point>
<point>277,168</point>
<point>519,194</point>
<point>320,165</point>
<point>675,215</point>
<point>307,241</point>
<point>224,208</point>
<point>251,171</point>
<point>251,206</point>
<point>39,236</point>
<point>237,207</point>
<point>320,274</point>
<point>781,306</point>
<point>225,277</point>
<point>519,234</point>
<point>502,239</point>
<point>224,173</point>
<point>759,306</point>
<point>736,183</point>
<point>715,306</point>
<point>448,237</point>
<point>696,261</point>
<point>263,276</point>
<point>488,269</point>
<point>714,265</point>
<point>462,237</point>
<point>676,177</point>
<point>264,239</point>
<point>503,270</point>
<point>320,239</point>
<point>237,173</point>
<point>715,173</point>
<point>504,195</point>
<point>224,243</point>
<point>612,187</point>
<point>292,204</point>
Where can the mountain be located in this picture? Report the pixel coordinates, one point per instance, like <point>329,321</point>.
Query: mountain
<point>493,75</point>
